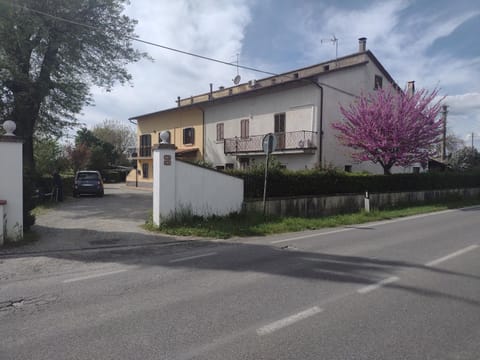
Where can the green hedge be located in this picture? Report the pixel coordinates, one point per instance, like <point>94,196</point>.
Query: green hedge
<point>314,182</point>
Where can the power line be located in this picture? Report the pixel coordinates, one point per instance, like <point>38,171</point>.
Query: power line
<point>234,64</point>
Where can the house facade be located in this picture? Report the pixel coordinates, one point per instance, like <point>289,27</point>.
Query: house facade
<point>185,128</point>
<point>298,106</point>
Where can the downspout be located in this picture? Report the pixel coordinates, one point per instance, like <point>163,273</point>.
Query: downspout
<point>320,120</point>
<point>204,133</point>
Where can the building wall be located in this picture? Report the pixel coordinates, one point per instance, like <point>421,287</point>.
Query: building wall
<point>173,121</point>
<point>300,106</point>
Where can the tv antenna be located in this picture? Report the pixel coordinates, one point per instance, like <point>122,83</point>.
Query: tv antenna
<point>333,40</point>
<point>237,78</point>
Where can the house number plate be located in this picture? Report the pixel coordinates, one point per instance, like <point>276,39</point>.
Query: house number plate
<point>167,160</point>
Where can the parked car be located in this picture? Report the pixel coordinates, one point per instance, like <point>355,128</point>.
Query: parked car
<point>88,182</point>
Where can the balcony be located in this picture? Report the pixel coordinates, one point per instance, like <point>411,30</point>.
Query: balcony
<point>143,152</point>
<point>288,142</point>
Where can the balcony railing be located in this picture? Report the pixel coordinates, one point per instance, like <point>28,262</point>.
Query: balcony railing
<point>142,152</point>
<point>286,141</point>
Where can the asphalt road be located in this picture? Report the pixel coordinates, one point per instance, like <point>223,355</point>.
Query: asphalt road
<point>402,289</point>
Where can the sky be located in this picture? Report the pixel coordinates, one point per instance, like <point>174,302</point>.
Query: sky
<point>433,42</point>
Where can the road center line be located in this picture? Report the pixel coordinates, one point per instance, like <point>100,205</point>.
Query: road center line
<point>369,288</point>
<point>92,276</point>
<point>270,328</point>
<point>452,255</point>
<point>192,257</point>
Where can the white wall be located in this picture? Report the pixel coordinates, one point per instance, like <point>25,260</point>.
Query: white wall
<point>300,106</point>
<point>11,185</point>
<point>180,186</point>
<point>207,192</point>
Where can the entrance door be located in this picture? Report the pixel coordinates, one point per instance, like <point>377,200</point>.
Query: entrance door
<point>279,130</point>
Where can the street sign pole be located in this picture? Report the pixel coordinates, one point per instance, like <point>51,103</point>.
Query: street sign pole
<point>265,184</point>
<point>269,143</point>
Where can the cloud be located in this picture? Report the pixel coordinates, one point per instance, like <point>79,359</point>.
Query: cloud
<point>401,36</point>
<point>464,103</point>
<point>210,28</point>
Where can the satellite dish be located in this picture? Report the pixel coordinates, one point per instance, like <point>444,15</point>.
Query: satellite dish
<point>236,80</point>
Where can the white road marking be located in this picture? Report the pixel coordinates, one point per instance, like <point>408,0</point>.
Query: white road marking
<point>191,257</point>
<point>311,235</point>
<point>452,255</point>
<point>270,328</point>
<point>364,225</point>
<point>377,285</point>
<point>92,276</point>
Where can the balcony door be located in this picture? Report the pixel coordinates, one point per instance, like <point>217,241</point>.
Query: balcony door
<point>279,130</point>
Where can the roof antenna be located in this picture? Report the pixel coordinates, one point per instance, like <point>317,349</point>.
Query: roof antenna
<point>333,40</point>
<point>237,78</point>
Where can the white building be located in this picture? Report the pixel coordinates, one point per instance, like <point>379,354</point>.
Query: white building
<point>299,108</point>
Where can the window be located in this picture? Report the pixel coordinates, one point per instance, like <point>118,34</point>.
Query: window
<point>348,168</point>
<point>220,167</point>
<point>145,171</point>
<point>244,129</point>
<point>229,166</point>
<point>378,82</point>
<point>279,130</point>
<point>220,132</point>
<point>146,145</point>
<point>244,162</point>
<point>326,67</point>
<point>416,170</point>
<point>189,135</point>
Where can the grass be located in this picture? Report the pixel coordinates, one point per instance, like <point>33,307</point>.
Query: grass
<point>224,227</point>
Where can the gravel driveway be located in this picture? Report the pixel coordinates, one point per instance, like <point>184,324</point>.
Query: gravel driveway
<point>90,222</point>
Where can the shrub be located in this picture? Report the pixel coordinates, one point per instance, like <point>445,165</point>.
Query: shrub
<point>284,183</point>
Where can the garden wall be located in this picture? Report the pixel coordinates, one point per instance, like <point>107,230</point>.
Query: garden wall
<point>311,206</point>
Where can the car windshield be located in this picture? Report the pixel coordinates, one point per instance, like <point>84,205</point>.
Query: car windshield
<point>87,176</point>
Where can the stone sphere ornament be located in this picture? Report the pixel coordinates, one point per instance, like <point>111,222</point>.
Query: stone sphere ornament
<point>9,126</point>
<point>165,137</point>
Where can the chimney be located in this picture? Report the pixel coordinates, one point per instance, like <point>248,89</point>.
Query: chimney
<point>411,88</point>
<point>362,44</point>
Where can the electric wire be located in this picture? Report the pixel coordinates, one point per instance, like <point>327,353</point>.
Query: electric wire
<point>132,38</point>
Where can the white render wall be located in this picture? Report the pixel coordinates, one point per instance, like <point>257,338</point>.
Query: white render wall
<point>182,187</point>
<point>207,192</point>
<point>301,106</point>
<point>11,187</point>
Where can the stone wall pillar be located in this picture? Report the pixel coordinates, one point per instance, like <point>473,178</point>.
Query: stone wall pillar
<point>11,182</point>
<point>164,186</point>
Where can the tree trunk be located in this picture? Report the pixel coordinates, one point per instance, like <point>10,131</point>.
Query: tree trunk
<point>387,169</point>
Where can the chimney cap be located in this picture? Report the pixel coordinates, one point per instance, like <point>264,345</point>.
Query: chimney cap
<point>362,44</point>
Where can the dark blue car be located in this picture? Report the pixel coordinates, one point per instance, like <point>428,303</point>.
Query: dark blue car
<point>88,182</point>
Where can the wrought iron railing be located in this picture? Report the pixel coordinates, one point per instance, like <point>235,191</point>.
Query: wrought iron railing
<point>295,140</point>
<point>141,152</point>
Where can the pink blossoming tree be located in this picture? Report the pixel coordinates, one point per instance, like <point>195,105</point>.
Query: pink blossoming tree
<point>391,128</point>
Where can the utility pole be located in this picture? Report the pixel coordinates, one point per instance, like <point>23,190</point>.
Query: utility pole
<point>472,141</point>
<point>444,136</point>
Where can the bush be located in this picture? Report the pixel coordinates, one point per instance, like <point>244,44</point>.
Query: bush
<point>283,183</point>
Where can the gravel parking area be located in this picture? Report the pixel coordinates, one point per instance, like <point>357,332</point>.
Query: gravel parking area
<point>91,222</point>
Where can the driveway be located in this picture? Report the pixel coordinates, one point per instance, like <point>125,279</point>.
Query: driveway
<point>90,222</point>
